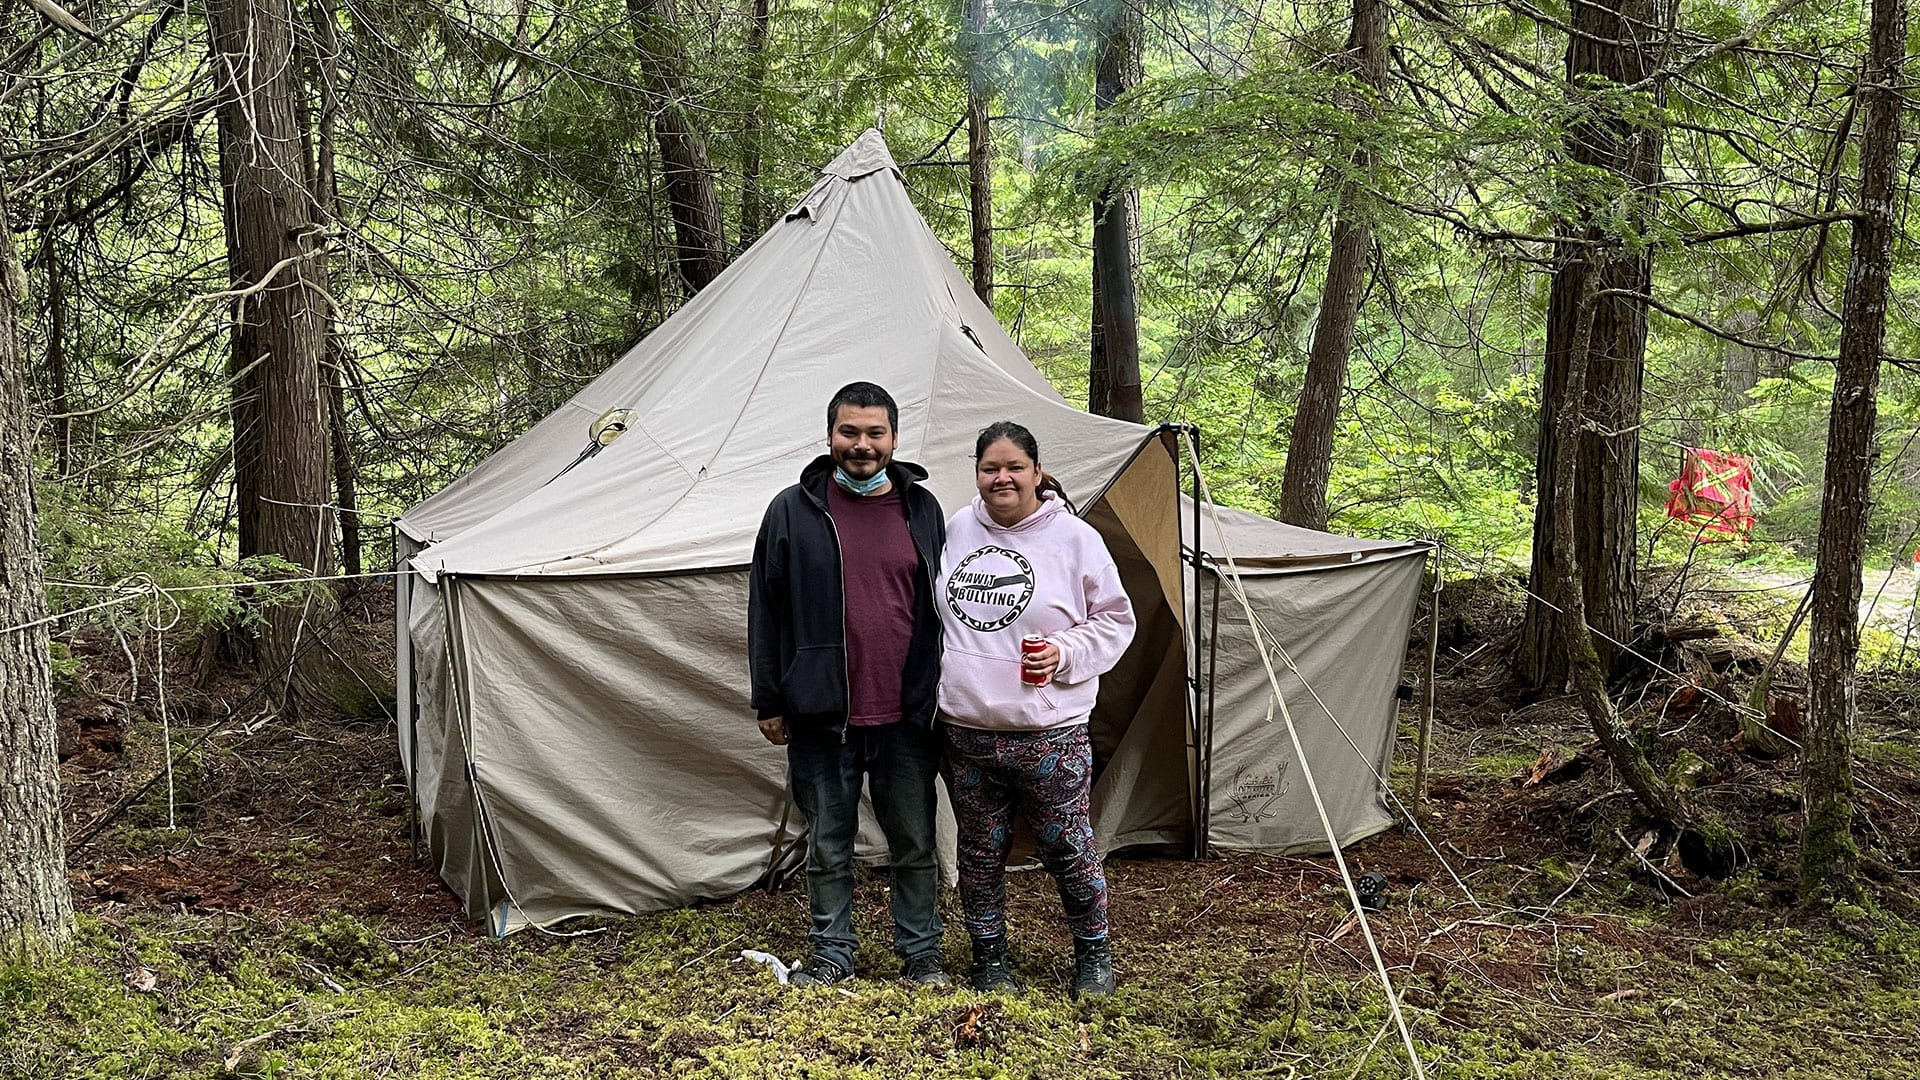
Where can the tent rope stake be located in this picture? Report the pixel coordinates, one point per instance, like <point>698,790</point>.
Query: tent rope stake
<point>1232,579</point>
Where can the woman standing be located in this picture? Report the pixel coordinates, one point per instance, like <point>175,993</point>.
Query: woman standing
<point>1020,565</point>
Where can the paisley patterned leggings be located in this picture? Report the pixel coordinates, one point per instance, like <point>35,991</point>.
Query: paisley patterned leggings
<point>1048,776</point>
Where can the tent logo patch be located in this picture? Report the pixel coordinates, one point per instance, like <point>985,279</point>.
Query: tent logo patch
<point>990,588</point>
<point>1255,790</point>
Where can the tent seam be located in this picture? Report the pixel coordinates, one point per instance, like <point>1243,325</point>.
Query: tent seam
<point>772,350</point>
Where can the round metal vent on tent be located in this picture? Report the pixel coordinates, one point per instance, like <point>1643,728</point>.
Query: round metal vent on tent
<point>611,425</point>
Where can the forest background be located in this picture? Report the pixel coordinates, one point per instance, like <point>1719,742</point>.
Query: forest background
<point>275,270</point>
<point>283,269</point>
<point>498,227</point>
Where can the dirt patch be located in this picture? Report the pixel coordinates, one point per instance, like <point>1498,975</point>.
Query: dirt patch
<point>276,819</point>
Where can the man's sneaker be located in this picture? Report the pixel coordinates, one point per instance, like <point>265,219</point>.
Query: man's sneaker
<point>988,974</point>
<point>926,969</point>
<point>1092,967</point>
<point>819,971</point>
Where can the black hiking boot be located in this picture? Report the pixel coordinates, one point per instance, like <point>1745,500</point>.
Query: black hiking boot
<point>1092,968</point>
<point>819,971</point>
<point>925,969</point>
<point>989,971</point>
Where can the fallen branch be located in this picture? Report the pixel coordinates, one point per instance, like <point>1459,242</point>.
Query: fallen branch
<point>1656,871</point>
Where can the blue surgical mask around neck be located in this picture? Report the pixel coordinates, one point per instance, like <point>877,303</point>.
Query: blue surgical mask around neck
<point>860,487</point>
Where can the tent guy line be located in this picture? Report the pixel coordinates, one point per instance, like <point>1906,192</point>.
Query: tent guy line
<point>151,589</point>
<point>1413,820</point>
<point>1235,587</point>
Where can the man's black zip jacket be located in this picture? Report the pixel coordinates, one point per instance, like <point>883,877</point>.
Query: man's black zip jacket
<point>796,613</point>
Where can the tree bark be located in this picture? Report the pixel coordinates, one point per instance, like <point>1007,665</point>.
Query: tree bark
<point>324,183</point>
<point>1114,360</point>
<point>340,444</point>
<point>1616,42</point>
<point>36,908</point>
<point>1303,489</point>
<point>245,387</point>
<point>699,241</point>
<point>1568,589</point>
<point>979,151</point>
<point>59,399</point>
<point>1740,366</point>
<point>753,212</point>
<point>1827,849</point>
<point>282,328</point>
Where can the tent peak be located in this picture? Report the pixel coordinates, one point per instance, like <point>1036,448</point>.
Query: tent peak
<point>867,154</point>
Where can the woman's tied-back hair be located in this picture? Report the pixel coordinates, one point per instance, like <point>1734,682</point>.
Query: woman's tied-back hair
<point>1018,435</point>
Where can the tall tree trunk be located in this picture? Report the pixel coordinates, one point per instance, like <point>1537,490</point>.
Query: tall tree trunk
<point>1114,361</point>
<point>1569,590</point>
<point>36,909</point>
<point>1614,42</point>
<point>698,238</point>
<point>325,186</point>
<point>274,247</point>
<point>340,443</point>
<point>753,212</point>
<point>1099,398</point>
<point>1827,849</point>
<point>1303,490</point>
<point>246,386</point>
<point>979,150</point>
<point>59,400</point>
<point>1740,366</point>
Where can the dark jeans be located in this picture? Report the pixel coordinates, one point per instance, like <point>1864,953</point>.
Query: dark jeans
<point>899,761</point>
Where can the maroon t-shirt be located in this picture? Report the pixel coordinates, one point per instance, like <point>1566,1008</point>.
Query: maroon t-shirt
<point>882,574</point>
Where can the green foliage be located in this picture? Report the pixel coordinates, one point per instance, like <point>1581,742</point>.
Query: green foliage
<point>504,234</point>
<point>61,662</point>
<point>94,555</point>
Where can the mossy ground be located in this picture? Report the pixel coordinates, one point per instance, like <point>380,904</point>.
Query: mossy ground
<point>288,931</point>
<point>1227,968</point>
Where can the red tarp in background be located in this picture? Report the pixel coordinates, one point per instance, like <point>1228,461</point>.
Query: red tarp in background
<point>1714,492</point>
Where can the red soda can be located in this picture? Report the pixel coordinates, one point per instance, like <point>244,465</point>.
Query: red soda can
<point>1030,645</point>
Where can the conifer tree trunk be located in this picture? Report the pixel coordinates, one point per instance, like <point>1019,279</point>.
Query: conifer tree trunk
<point>1568,590</point>
<point>1614,42</point>
<point>753,212</point>
<point>699,239</point>
<point>979,151</point>
<point>1114,361</point>
<point>1827,849</point>
<point>246,387</point>
<point>36,908</point>
<point>1303,490</point>
<point>325,185</point>
<point>281,329</point>
<point>58,400</point>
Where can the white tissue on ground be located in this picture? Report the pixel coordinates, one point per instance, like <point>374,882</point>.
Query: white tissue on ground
<point>779,966</point>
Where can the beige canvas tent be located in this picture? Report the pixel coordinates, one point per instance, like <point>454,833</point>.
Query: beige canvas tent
<point>572,647</point>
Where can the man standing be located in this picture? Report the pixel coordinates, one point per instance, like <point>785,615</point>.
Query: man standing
<point>844,643</point>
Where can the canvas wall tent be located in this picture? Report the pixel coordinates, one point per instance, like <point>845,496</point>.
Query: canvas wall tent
<point>572,646</point>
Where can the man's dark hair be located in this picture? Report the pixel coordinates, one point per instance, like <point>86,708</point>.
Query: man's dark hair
<point>862,395</point>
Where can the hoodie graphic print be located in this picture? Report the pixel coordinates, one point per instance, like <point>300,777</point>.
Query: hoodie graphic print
<point>1048,574</point>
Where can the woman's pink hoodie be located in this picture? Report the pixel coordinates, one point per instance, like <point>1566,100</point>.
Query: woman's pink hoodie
<point>1050,574</point>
